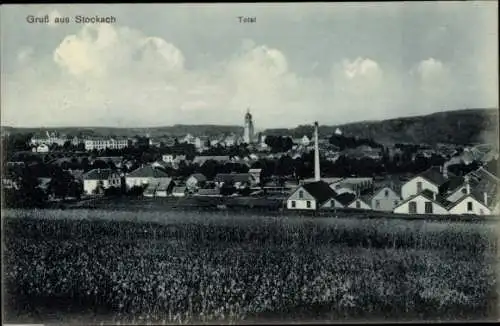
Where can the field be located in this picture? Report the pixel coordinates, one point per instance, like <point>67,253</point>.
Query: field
<point>179,267</point>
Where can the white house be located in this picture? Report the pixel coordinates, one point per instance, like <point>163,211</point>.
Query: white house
<point>361,202</point>
<point>311,196</point>
<point>42,148</point>
<point>99,179</point>
<point>305,141</point>
<point>189,139</point>
<point>426,202</point>
<point>257,174</point>
<point>179,191</point>
<point>167,158</point>
<point>195,181</point>
<point>145,175</point>
<point>385,199</point>
<point>471,204</point>
<point>431,180</point>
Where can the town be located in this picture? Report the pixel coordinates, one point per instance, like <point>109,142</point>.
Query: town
<point>313,172</point>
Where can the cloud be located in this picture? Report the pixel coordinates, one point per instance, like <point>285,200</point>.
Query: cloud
<point>99,50</point>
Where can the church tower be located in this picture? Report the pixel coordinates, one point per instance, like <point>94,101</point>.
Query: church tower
<point>248,135</point>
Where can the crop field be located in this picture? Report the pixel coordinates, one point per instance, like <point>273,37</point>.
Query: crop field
<point>191,267</point>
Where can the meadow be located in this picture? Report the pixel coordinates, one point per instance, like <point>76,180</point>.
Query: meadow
<point>185,267</point>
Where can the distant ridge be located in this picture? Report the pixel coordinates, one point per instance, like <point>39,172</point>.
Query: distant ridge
<point>459,127</point>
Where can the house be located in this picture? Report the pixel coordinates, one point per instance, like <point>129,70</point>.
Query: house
<point>311,196</point>
<point>305,141</point>
<point>168,158</point>
<point>431,179</point>
<point>472,203</point>
<point>42,148</point>
<point>179,191</point>
<point>338,132</point>
<point>201,143</point>
<point>239,180</point>
<point>425,202</point>
<point>159,189</point>
<point>188,139</point>
<point>195,181</point>
<point>145,175</point>
<point>256,174</point>
<point>97,180</point>
<point>95,143</point>
<point>385,199</point>
<point>361,202</point>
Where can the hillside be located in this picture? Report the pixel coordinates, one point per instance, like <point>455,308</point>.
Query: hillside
<point>175,130</point>
<point>459,127</point>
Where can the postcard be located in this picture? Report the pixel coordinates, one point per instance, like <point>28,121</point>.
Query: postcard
<point>250,163</point>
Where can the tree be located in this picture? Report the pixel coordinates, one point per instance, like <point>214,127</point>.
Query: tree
<point>75,190</point>
<point>60,183</point>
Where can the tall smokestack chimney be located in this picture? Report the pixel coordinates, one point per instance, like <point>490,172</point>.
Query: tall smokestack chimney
<point>317,176</point>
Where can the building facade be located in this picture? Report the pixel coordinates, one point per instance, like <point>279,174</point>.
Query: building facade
<point>101,143</point>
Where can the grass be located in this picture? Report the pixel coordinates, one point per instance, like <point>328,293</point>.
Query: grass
<point>172,267</point>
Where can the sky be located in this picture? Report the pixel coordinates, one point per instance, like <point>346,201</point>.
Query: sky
<point>165,64</point>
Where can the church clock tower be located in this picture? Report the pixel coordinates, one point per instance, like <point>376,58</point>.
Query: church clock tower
<point>248,135</point>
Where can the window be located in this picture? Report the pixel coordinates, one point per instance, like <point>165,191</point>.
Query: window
<point>412,206</point>
<point>377,203</point>
<point>308,203</point>
<point>464,191</point>
<point>469,206</point>
<point>293,203</point>
<point>428,207</point>
<point>419,187</point>
<point>301,194</point>
<point>386,193</point>
<point>332,203</point>
<point>358,204</point>
<point>396,203</point>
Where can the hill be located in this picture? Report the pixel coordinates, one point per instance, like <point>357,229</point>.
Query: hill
<point>175,130</point>
<point>456,127</point>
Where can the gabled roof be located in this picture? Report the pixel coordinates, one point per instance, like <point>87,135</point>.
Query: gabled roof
<point>148,172</point>
<point>198,176</point>
<point>379,189</point>
<point>477,196</point>
<point>320,190</point>
<point>427,194</point>
<point>179,189</point>
<point>433,175</point>
<point>345,198</point>
<point>98,174</point>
